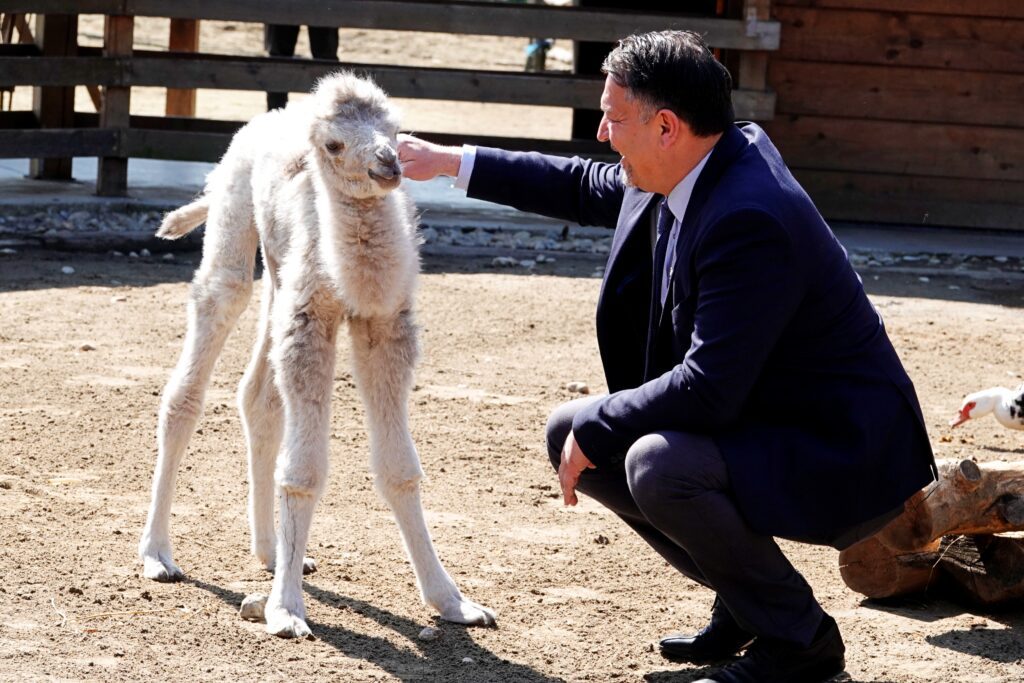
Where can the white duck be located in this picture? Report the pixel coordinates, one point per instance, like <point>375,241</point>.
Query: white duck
<point>1007,404</point>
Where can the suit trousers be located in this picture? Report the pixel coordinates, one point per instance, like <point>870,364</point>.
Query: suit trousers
<point>279,41</point>
<point>673,489</point>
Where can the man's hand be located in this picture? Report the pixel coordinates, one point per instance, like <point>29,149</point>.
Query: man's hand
<point>422,160</point>
<point>572,465</point>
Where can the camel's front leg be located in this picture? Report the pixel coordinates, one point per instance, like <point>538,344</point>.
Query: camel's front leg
<point>384,352</point>
<point>304,335</point>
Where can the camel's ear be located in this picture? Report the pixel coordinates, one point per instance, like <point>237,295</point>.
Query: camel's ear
<point>319,130</point>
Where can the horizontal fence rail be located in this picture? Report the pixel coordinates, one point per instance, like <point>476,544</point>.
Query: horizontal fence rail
<point>278,74</point>
<point>54,132</point>
<point>495,19</point>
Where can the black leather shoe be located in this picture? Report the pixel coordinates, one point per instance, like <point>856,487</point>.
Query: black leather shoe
<point>720,639</point>
<point>777,661</point>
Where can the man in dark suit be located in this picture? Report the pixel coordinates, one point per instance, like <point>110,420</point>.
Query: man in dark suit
<point>753,390</point>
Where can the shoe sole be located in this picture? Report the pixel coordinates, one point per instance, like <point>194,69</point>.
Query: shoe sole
<point>683,659</point>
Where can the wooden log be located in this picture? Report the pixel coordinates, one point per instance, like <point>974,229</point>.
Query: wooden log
<point>874,570</point>
<point>984,570</point>
<point>946,531</point>
<point>966,499</point>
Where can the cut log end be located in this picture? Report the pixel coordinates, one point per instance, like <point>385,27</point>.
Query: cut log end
<point>968,475</point>
<point>1011,508</point>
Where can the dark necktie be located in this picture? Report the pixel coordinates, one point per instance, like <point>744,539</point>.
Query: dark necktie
<point>660,272</point>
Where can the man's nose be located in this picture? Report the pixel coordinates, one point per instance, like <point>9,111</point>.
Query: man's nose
<point>602,130</point>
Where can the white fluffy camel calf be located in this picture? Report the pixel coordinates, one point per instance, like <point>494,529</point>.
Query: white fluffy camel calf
<point>316,185</point>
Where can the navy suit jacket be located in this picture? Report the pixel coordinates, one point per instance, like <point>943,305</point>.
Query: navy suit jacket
<point>767,341</point>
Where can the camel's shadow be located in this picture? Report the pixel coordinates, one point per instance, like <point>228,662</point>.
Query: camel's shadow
<point>425,660</point>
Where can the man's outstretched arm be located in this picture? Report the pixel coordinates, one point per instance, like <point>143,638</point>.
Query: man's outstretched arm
<point>578,190</point>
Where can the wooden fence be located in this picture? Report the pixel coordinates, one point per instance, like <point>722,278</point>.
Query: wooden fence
<point>904,111</point>
<point>53,132</point>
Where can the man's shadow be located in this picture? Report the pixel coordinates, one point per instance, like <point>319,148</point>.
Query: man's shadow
<point>426,661</point>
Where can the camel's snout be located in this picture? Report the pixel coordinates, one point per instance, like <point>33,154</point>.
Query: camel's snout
<point>387,156</point>
<point>389,172</point>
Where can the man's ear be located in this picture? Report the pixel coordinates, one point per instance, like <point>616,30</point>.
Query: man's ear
<point>669,126</point>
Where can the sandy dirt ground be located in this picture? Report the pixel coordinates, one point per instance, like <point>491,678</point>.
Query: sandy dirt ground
<point>83,358</point>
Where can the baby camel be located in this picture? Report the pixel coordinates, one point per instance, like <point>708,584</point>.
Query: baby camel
<point>315,184</point>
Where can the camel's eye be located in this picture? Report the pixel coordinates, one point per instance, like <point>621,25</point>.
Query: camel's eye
<point>334,146</point>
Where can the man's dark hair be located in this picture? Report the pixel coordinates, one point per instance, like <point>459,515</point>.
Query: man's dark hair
<point>674,70</point>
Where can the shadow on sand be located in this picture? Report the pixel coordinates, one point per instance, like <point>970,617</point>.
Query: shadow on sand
<point>1004,645</point>
<point>420,661</point>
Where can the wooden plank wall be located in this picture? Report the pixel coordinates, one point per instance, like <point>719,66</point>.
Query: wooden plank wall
<point>905,111</point>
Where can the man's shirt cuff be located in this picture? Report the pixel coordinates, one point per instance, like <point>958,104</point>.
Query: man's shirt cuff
<point>466,167</point>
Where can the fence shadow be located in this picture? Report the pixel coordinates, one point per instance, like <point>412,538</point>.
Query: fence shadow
<point>39,268</point>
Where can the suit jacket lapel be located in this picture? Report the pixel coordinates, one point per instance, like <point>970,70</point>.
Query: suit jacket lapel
<point>726,150</point>
<point>634,207</point>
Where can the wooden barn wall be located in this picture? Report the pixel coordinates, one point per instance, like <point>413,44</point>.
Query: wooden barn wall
<point>904,111</point>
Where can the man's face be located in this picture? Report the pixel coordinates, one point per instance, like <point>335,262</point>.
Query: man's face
<point>636,141</point>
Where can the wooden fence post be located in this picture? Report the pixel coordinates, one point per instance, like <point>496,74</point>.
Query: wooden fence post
<point>112,174</point>
<point>54,107</point>
<point>753,67</point>
<point>184,37</point>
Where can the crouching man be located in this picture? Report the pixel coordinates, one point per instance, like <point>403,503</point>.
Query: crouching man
<point>753,390</point>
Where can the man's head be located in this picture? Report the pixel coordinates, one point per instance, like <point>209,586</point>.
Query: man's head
<point>666,98</point>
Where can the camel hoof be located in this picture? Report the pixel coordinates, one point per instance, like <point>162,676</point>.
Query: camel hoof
<point>469,613</point>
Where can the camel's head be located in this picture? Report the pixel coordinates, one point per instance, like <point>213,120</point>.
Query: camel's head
<point>353,134</point>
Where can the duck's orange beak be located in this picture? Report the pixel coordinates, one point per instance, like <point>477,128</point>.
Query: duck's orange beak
<point>964,416</point>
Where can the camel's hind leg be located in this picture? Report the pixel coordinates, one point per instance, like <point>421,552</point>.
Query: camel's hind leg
<point>220,290</point>
<point>259,403</point>
<point>384,352</point>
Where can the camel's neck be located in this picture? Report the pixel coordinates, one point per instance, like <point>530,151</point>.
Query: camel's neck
<point>361,205</point>
<point>368,251</point>
<point>339,198</point>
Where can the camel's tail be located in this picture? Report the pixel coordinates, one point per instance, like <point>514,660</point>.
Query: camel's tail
<point>181,222</point>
